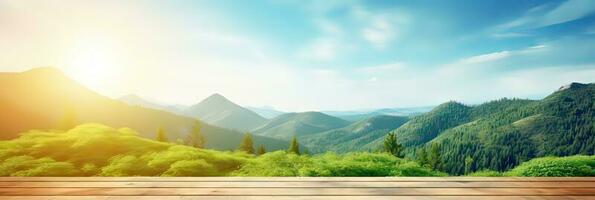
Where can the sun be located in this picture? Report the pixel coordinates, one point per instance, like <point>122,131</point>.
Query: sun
<point>92,61</point>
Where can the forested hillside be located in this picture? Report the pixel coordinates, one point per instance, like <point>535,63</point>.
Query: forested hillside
<point>501,134</point>
<point>288,125</point>
<point>354,137</point>
<point>99,150</point>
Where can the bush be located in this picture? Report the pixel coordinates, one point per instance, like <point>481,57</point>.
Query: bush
<point>486,173</point>
<point>556,167</point>
<point>330,164</point>
<point>278,163</point>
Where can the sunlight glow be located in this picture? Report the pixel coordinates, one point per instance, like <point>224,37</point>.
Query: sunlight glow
<point>92,61</point>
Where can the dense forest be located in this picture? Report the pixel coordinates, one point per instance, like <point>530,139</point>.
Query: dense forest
<point>99,150</point>
<point>501,134</point>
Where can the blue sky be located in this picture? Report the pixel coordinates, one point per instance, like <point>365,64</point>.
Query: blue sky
<point>307,55</point>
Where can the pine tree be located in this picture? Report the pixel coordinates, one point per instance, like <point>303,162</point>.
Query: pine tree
<point>294,147</point>
<point>247,145</point>
<point>422,156</point>
<point>434,157</point>
<point>468,163</point>
<point>392,146</point>
<point>161,135</point>
<point>196,138</point>
<point>261,150</point>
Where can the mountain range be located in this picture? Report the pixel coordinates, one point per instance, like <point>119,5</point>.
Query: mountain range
<point>219,111</point>
<point>495,135</point>
<point>364,114</point>
<point>43,98</point>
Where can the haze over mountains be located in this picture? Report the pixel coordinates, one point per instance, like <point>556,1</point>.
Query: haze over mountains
<point>495,135</point>
<point>42,97</point>
<point>217,110</point>
<point>287,125</point>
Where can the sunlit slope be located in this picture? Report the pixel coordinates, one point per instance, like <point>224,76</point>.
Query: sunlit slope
<point>44,98</point>
<point>300,124</point>
<point>219,111</point>
<point>99,150</point>
<point>354,137</point>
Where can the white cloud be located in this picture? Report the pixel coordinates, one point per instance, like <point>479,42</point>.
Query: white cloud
<point>540,16</point>
<point>568,11</point>
<point>380,28</point>
<point>486,57</point>
<point>509,35</point>
<point>323,49</point>
<point>379,33</point>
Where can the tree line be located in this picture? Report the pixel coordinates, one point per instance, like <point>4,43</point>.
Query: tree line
<point>197,140</point>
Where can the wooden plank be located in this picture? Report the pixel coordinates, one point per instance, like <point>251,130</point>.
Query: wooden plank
<point>297,197</point>
<point>302,184</point>
<point>297,191</point>
<point>293,179</point>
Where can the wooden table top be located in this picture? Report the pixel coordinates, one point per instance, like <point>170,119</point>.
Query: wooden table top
<point>165,188</point>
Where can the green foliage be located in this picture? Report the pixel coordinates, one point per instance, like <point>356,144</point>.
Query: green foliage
<point>247,145</point>
<point>294,147</point>
<point>556,166</point>
<point>98,150</point>
<point>278,163</point>
<point>424,128</point>
<point>161,135</point>
<point>502,134</point>
<point>486,173</point>
<point>434,158</point>
<point>422,157</point>
<point>392,146</point>
<point>195,138</point>
<point>468,163</point>
<point>330,164</point>
<point>359,136</point>
<point>261,150</point>
<point>288,125</point>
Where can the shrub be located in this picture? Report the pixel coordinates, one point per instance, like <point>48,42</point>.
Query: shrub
<point>98,150</point>
<point>486,173</point>
<point>556,167</point>
<point>330,164</point>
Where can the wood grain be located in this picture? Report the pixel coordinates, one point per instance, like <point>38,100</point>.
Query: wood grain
<point>164,188</point>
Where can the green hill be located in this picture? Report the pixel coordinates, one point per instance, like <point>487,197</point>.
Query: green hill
<point>44,98</point>
<point>287,125</point>
<point>354,137</point>
<point>425,127</point>
<point>219,111</point>
<point>501,134</point>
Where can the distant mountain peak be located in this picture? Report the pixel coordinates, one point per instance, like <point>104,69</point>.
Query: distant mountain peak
<point>131,96</point>
<point>218,110</point>
<point>572,85</point>
<point>44,70</point>
<point>216,97</point>
<point>47,72</point>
